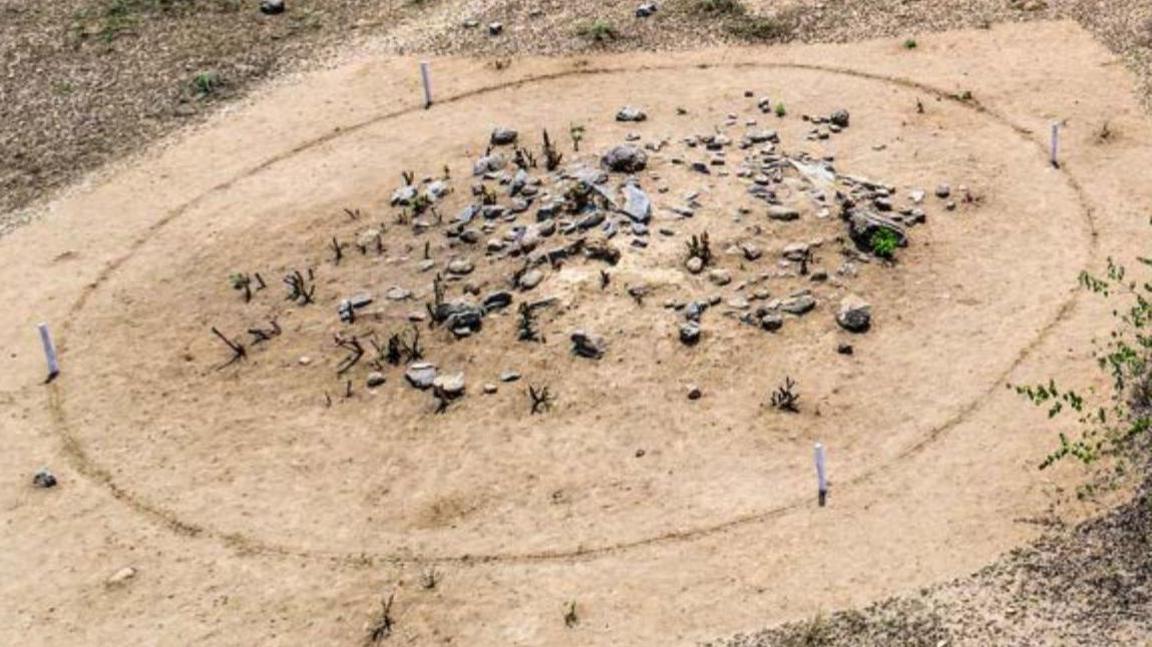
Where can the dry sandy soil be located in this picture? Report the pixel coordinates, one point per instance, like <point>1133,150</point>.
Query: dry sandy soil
<point>253,513</point>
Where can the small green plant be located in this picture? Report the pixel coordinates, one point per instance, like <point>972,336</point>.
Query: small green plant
<point>910,43</point>
<point>576,132</point>
<point>598,31</point>
<point>206,83</point>
<point>781,111</point>
<point>884,242</point>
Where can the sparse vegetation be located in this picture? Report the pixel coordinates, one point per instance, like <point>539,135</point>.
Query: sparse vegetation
<point>785,397</point>
<point>597,31</point>
<point>910,43</point>
<point>1115,424</point>
<point>205,84</point>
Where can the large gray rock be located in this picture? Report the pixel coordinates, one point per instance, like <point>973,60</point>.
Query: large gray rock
<point>625,159</point>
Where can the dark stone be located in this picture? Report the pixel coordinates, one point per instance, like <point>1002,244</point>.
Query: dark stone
<point>44,479</point>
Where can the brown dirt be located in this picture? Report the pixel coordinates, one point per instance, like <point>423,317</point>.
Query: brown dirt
<point>256,515</point>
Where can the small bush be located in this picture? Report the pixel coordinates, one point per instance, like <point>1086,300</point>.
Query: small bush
<point>781,111</point>
<point>884,243</point>
<point>910,43</point>
<point>598,31</point>
<point>772,29</point>
<point>724,7</point>
<point>206,83</point>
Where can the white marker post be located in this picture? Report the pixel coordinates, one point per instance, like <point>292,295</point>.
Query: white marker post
<point>821,476</point>
<point>427,84</point>
<point>49,352</point>
<point>1055,144</point>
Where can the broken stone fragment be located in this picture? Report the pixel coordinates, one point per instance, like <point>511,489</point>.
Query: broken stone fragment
<point>460,266</point>
<point>586,345</point>
<point>44,479</point>
<point>502,136</point>
<point>497,301</point>
<point>637,204</point>
<point>449,385</point>
<point>782,213</point>
<point>855,314</point>
<point>628,113</point>
<point>421,375</point>
<point>798,304</point>
<point>403,196</point>
<point>690,333</point>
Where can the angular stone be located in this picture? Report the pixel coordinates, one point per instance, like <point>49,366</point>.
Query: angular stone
<point>502,136</point>
<point>855,314</point>
<point>421,375</point>
<point>587,345</point>
<point>625,159</point>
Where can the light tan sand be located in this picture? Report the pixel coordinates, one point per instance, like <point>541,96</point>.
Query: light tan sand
<point>257,515</point>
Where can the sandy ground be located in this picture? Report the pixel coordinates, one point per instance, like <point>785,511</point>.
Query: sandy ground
<point>254,514</point>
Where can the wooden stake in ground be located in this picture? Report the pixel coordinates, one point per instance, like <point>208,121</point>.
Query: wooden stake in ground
<point>821,476</point>
<point>427,84</point>
<point>49,352</point>
<point>1055,144</point>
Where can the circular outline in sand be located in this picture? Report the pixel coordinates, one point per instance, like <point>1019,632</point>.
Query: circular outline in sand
<point>86,466</point>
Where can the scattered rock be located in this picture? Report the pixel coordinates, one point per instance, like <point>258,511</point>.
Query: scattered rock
<point>844,348</point>
<point>855,315</point>
<point>694,264</point>
<point>375,379</point>
<point>771,321</point>
<point>502,136</point>
<point>839,118</point>
<point>798,304</point>
<point>121,576</point>
<point>943,191</point>
<point>530,279</point>
<point>720,276</point>
<point>637,204</point>
<point>782,213</point>
<point>272,7</point>
<point>509,376</point>
<point>397,294</point>
<point>628,113</point>
<point>625,159</point>
<point>586,345</point>
<point>495,28</point>
<point>690,333</point>
<point>795,251</point>
<point>645,10</point>
<point>694,392</point>
<point>450,385</point>
<point>44,479</point>
<point>460,266</point>
<point>497,301</point>
<point>403,196</point>
<point>489,389</point>
<point>421,374</point>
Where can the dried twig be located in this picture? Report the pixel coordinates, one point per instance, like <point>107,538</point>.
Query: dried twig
<point>238,350</point>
